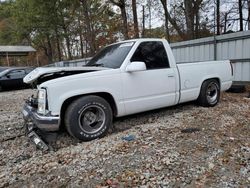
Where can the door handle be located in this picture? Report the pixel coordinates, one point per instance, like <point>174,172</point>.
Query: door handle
<point>170,76</point>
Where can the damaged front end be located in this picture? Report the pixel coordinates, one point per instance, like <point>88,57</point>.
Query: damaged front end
<point>40,123</point>
<point>36,122</point>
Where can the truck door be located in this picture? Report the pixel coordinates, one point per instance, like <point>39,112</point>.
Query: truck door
<point>153,88</point>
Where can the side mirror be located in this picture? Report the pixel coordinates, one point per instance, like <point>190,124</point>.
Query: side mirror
<point>7,76</point>
<point>136,66</point>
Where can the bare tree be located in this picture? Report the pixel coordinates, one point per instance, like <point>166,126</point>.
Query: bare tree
<point>189,16</point>
<point>165,8</point>
<point>225,22</point>
<point>240,14</point>
<point>196,12</point>
<point>143,21</point>
<point>58,44</point>
<point>136,28</point>
<point>122,5</point>
<point>218,16</point>
<point>89,32</point>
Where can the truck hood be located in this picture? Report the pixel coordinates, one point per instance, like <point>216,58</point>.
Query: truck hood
<point>43,74</point>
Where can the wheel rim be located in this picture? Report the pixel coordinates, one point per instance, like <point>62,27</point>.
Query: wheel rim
<point>212,93</point>
<point>92,119</point>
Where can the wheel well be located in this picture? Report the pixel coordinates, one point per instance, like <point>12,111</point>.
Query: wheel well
<point>108,97</point>
<point>217,79</point>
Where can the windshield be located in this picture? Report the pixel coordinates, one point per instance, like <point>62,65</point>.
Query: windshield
<point>112,56</point>
<point>2,73</point>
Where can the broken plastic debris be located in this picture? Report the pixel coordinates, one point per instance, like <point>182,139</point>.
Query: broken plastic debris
<point>129,138</point>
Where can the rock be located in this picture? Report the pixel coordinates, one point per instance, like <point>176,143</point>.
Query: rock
<point>147,175</point>
<point>210,166</point>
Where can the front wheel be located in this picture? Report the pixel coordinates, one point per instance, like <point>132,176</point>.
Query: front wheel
<point>209,93</point>
<point>88,118</point>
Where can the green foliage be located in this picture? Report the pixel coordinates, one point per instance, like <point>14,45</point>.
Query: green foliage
<point>7,25</point>
<point>57,27</point>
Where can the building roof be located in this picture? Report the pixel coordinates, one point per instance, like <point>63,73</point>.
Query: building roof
<point>16,50</point>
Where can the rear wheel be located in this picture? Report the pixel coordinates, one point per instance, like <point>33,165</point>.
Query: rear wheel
<point>88,118</point>
<point>209,94</point>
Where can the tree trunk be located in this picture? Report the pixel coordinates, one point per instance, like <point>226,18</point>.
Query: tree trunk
<point>172,22</point>
<point>177,28</point>
<point>49,52</point>
<point>81,45</point>
<point>197,17</point>
<point>165,8</point>
<point>90,32</point>
<point>225,22</point>
<point>66,36</point>
<point>150,17</point>
<point>218,16</point>
<point>241,16</point>
<point>81,38</point>
<point>136,28</point>
<point>58,45</point>
<point>197,24</point>
<point>143,21</point>
<point>189,16</point>
<point>122,5</point>
<point>67,39</point>
<point>125,22</point>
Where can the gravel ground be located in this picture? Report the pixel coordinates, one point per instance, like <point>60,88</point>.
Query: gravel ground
<point>181,146</point>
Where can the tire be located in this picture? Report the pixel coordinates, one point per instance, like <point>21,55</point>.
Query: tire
<point>209,93</point>
<point>88,118</point>
<point>1,88</point>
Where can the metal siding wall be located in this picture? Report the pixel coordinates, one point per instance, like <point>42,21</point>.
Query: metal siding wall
<point>196,53</point>
<point>234,46</point>
<point>206,53</point>
<point>238,49</point>
<point>219,51</point>
<point>246,48</point>
<point>237,71</point>
<point>245,71</point>
<point>211,52</point>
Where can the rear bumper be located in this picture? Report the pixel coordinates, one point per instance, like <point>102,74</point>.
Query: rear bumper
<point>33,120</point>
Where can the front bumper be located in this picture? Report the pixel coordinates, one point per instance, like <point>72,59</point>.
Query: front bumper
<point>44,123</point>
<point>37,126</point>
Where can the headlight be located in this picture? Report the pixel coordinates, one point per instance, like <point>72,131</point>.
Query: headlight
<point>41,101</point>
<point>42,94</point>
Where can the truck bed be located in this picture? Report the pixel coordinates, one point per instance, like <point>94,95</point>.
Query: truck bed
<point>192,74</point>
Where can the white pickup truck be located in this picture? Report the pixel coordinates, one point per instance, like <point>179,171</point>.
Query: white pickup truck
<point>124,78</point>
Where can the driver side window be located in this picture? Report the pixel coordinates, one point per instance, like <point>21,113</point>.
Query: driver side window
<point>153,54</point>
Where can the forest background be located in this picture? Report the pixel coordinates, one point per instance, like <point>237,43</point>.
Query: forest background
<point>65,30</point>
